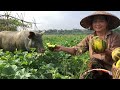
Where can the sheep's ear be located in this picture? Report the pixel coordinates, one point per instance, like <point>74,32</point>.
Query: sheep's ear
<point>42,32</point>
<point>31,35</point>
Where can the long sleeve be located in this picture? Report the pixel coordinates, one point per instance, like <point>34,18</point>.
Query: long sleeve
<point>113,42</point>
<point>82,47</point>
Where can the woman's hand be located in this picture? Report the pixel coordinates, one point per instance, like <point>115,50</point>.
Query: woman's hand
<point>57,48</point>
<point>98,56</point>
<point>106,55</point>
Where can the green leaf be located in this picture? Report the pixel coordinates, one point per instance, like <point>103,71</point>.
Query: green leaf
<point>9,69</point>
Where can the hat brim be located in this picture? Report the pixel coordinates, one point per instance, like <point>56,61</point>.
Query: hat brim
<point>114,21</point>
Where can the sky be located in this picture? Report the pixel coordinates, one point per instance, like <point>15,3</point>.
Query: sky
<point>54,19</point>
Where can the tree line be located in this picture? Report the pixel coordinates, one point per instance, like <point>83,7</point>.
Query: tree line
<point>12,24</point>
<point>73,31</point>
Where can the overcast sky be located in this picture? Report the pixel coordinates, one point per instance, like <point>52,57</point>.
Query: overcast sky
<point>55,19</point>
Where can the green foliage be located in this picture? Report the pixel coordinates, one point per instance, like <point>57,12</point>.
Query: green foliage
<point>47,65</point>
<point>68,32</point>
<point>117,29</point>
<point>10,24</point>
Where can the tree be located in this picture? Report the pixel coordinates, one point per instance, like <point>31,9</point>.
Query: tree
<point>10,23</point>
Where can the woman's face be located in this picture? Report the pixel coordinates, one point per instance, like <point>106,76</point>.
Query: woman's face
<point>99,23</point>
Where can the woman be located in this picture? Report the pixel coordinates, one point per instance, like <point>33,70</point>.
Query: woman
<point>102,23</point>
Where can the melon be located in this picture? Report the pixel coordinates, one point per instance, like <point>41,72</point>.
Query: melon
<point>116,54</point>
<point>118,64</point>
<point>51,46</point>
<point>98,45</point>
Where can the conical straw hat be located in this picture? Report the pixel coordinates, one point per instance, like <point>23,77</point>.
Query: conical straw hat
<point>114,21</point>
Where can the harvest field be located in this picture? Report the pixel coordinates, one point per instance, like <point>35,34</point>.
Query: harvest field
<point>48,65</point>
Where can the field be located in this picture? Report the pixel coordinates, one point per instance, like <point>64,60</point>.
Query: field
<point>48,65</point>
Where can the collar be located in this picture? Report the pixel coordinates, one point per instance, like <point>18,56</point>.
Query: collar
<point>107,34</point>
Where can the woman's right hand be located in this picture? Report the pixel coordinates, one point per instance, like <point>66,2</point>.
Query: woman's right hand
<point>58,48</point>
<point>69,50</point>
